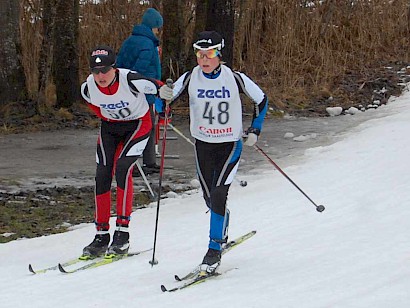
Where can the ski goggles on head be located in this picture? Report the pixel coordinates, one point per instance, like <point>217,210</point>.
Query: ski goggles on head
<point>210,54</point>
<point>101,69</point>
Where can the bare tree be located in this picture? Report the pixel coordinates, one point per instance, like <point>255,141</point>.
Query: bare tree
<point>200,24</point>
<point>172,49</point>
<point>12,80</point>
<point>66,61</point>
<point>220,17</point>
<point>200,16</point>
<point>46,53</point>
<point>156,4</point>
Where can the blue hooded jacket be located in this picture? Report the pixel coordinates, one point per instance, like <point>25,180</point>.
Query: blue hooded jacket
<point>139,52</point>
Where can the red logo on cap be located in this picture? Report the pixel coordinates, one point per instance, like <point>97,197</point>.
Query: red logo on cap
<point>99,52</point>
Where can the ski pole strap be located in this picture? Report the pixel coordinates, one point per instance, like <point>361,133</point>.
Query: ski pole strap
<point>102,226</point>
<point>123,228</point>
<point>253,130</point>
<point>127,218</point>
<point>222,241</point>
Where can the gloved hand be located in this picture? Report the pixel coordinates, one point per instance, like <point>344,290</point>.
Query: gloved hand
<point>251,136</point>
<point>165,92</point>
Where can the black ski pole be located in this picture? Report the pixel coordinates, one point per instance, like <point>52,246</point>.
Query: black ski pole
<point>161,171</point>
<point>319,208</point>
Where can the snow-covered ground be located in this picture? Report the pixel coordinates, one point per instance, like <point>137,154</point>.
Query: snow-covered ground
<point>354,254</point>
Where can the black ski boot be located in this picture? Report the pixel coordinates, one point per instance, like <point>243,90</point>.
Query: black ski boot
<point>120,243</point>
<point>98,246</point>
<point>150,169</point>
<point>211,262</point>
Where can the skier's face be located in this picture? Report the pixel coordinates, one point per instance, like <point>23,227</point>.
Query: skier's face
<point>208,60</point>
<point>104,76</point>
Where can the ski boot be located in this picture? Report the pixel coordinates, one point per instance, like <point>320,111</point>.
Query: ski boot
<point>210,263</point>
<point>150,169</point>
<point>120,244</point>
<point>97,247</point>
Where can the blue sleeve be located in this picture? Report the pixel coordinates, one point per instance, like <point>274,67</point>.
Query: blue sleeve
<point>259,114</point>
<point>150,98</point>
<point>159,105</point>
<point>259,98</point>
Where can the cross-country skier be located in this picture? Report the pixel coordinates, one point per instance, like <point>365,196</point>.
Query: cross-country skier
<point>117,96</point>
<point>216,124</point>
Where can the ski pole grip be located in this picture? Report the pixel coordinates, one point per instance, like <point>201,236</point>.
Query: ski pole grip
<point>169,85</point>
<point>169,82</point>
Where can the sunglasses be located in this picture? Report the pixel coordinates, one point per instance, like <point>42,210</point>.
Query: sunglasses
<point>210,54</point>
<point>102,69</point>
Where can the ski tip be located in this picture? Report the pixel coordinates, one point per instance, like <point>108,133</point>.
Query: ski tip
<point>163,288</point>
<point>177,278</point>
<point>30,268</point>
<point>61,268</point>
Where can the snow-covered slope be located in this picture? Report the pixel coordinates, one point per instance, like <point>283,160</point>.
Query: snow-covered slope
<point>354,254</point>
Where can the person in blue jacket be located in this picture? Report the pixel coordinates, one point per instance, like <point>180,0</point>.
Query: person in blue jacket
<point>139,52</point>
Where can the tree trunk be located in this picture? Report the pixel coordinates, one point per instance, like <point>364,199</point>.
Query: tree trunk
<point>172,49</point>
<point>46,54</point>
<point>12,79</point>
<point>200,24</point>
<point>66,61</point>
<point>220,17</point>
<point>156,4</point>
<point>201,15</point>
<point>408,18</point>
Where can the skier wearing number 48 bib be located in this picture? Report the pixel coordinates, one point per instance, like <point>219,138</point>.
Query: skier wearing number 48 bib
<point>117,96</point>
<point>216,124</point>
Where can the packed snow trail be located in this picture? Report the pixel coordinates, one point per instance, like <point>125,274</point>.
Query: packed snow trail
<point>354,254</point>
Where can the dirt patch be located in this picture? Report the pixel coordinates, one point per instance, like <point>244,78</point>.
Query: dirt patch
<point>28,214</point>
<point>33,213</point>
<point>358,89</point>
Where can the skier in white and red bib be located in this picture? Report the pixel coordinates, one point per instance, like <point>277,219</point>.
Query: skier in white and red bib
<point>117,96</point>
<point>216,124</point>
